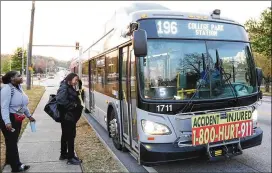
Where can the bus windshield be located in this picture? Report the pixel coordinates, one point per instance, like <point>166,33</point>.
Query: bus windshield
<point>195,69</point>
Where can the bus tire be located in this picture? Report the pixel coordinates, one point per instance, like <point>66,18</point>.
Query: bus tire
<point>86,111</point>
<point>114,131</point>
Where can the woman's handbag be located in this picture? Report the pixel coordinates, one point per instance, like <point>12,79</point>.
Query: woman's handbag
<point>18,118</point>
<point>51,108</point>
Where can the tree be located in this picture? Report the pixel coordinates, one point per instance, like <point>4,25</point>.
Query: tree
<point>5,66</point>
<point>16,61</point>
<point>5,63</point>
<point>265,63</point>
<point>39,63</point>
<point>260,34</point>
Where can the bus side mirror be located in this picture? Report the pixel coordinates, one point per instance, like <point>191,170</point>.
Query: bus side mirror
<point>259,73</point>
<point>140,43</point>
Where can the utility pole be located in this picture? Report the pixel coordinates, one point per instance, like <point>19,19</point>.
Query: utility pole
<point>46,68</point>
<point>29,56</point>
<point>80,49</point>
<point>23,58</point>
<point>79,61</point>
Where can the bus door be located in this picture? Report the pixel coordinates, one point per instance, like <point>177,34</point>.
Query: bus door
<point>129,96</point>
<point>92,80</point>
<point>125,95</point>
<point>132,95</point>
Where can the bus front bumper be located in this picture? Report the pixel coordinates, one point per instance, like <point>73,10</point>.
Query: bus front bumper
<point>152,154</point>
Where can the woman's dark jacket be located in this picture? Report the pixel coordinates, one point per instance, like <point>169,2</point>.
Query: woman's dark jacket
<point>69,103</point>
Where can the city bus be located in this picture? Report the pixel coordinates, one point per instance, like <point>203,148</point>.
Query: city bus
<point>168,85</point>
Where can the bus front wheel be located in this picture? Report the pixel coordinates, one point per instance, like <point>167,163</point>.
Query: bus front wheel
<point>114,131</point>
<point>86,111</point>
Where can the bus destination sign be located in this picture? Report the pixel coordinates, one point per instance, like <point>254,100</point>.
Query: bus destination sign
<point>193,29</point>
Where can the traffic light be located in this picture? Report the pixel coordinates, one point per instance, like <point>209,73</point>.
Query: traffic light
<point>77,45</point>
<point>20,54</point>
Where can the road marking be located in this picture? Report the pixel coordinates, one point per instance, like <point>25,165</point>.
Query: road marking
<point>150,169</point>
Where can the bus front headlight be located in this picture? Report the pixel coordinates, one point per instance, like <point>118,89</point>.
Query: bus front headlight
<point>152,128</point>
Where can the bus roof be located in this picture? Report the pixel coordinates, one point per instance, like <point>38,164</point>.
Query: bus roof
<point>153,10</point>
<point>137,15</point>
<point>143,6</point>
<point>137,11</point>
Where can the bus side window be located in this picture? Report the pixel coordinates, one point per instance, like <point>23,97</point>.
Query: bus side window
<point>112,74</point>
<point>100,74</point>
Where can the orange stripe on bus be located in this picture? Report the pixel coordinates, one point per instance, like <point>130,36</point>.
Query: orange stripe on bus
<point>150,138</point>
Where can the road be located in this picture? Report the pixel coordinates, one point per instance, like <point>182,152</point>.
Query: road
<point>257,159</point>
<point>50,82</point>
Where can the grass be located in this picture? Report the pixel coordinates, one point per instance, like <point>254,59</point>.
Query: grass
<point>34,95</point>
<point>95,156</point>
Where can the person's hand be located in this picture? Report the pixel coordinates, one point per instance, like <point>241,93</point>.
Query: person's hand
<point>31,119</point>
<point>9,126</point>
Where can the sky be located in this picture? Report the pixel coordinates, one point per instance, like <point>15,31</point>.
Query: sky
<point>66,22</point>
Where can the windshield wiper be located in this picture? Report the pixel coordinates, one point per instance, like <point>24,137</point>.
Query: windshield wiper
<point>226,78</point>
<point>197,89</point>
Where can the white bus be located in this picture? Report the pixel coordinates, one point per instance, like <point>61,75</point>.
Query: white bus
<point>169,85</point>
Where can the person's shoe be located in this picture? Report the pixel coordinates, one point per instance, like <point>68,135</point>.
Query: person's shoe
<point>63,157</point>
<point>7,163</point>
<point>22,168</point>
<point>73,161</point>
<point>26,167</point>
<point>78,159</point>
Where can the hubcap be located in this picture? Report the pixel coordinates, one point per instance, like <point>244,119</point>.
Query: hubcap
<point>113,128</point>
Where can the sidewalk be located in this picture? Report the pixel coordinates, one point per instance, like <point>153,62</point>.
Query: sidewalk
<point>41,149</point>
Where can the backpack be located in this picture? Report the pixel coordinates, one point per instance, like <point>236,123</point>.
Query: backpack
<point>12,93</point>
<point>51,108</point>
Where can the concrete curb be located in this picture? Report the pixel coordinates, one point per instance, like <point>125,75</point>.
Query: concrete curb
<point>81,167</point>
<point>106,146</point>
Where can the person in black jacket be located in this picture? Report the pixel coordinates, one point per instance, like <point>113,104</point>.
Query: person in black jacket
<point>70,109</point>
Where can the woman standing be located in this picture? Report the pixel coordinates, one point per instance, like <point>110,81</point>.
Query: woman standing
<point>70,109</point>
<point>13,110</point>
